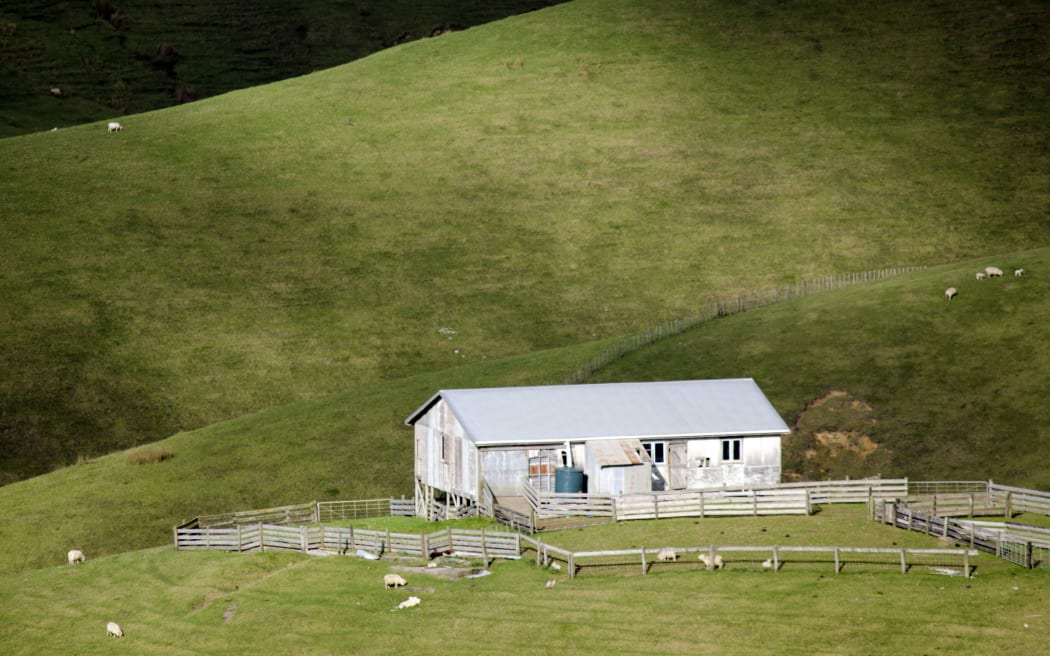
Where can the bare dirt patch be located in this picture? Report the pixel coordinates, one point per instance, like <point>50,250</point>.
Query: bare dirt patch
<point>834,437</point>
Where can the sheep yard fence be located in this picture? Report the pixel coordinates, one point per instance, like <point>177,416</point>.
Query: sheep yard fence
<point>314,512</point>
<point>1027,546</point>
<point>489,545</point>
<point>727,306</point>
<point>760,558</point>
<point>483,543</point>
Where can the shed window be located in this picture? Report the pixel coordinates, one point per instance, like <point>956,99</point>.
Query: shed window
<point>731,450</point>
<point>657,451</point>
<point>446,447</point>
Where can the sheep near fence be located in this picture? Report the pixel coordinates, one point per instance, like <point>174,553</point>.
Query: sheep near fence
<point>760,558</point>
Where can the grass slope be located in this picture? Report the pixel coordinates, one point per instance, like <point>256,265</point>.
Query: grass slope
<point>352,445</point>
<point>113,57</point>
<point>951,390</point>
<point>570,174</point>
<point>955,390</point>
<point>180,603</point>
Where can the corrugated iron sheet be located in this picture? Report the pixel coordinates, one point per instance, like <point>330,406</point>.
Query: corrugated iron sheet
<point>657,410</point>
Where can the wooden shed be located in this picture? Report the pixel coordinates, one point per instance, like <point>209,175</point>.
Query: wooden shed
<point>475,446</point>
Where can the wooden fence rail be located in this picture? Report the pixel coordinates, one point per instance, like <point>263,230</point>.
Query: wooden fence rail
<point>486,543</point>
<point>772,558</point>
<point>1014,545</point>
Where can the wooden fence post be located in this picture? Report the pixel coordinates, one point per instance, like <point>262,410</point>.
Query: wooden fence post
<point>643,559</point>
<point>701,504</point>
<point>303,540</point>
<point>484,548</point>
<point>423,549</point>
<point>1008,499</point>
<point>904,563</point>
<point>776,561</point>
<point>262,540</point>
<point>572,565</point>
<point>838,566</point>
<point>176,531</point>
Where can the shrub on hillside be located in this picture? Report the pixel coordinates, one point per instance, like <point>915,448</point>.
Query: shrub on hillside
<point>149,455</point>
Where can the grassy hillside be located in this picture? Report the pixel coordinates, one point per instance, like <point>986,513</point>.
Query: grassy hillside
<point>571,174</point>
<point>891,378</point>
<point>180,603</point>
<point>352,445</point>
<point>114,57</point>
<point>952,390</point>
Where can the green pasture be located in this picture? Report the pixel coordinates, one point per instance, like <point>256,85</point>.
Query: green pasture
<point>205,602</point>
<point>954,390</point>
<point>567,175</point>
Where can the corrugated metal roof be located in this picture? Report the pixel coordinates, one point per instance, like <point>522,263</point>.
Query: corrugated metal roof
<point>555,413</point>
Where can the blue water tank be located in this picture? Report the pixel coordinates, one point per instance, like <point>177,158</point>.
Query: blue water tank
<point>568,480</point>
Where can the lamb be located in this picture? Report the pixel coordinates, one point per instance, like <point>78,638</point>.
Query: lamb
<point>993,272</point>
<point>393,581</point>
<point>1018,273</point>
<point>667,554</point>
<point>114,127</point>
<point>950,293</point>
<point>410,602</point>
<point>706,560</point>
<point>75,556</point>
<point>980,275</point>
<point>113,630</point>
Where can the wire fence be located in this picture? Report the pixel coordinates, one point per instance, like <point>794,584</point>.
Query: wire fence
<point>728,306</point>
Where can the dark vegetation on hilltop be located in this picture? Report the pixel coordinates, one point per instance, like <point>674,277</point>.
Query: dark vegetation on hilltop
<point>107,58</point>
<point>571,174</point>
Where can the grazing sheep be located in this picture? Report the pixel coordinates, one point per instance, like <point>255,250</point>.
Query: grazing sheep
<point>767,563</point>
<point>410,602</point>
<point>667,554</point>
<point>56,92</point>
<point>555,566</point>
<point>113,630</point>
<point>950,293</point>
<point>1018,273</point>
<point>980,275</point>
<point>551,583</point>
<point>706,560</point>
<point>75,556</point>
<point>993,272</point>
<point>114,127</point>
<point>393,581</point>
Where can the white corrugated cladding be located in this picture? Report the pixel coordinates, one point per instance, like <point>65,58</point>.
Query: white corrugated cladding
<point>554,413</point>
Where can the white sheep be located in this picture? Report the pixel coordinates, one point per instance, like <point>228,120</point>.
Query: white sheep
<point>555,566</point>
<point>667,554</point>
<point>410,602</point>
<point>393,581</point>
<point>113,630</point>
<point>767,563</point>
<point>706,560</point>
<point>1018,273</point>
<point>75,556</point>
<point>993,272</point>
<point>551,583</point>
<point>980,275</point>
<point>114,127</point>
<point>950,293</point>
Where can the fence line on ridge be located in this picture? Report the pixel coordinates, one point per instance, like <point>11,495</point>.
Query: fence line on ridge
<point>727,306</point>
